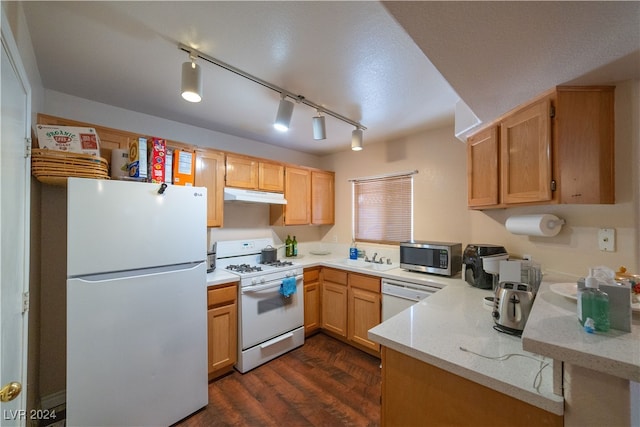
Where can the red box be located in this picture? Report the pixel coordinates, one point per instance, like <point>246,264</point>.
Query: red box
<point>157,153</point>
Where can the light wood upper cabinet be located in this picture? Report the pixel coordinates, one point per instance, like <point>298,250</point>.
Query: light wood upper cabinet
<point>271,177</point>
<point>483,168</point>
<point>297,192</point>
<point>558,148</point>
<point>254,174</point>
<point>242,172</point>
<point>210,174</point>
<point>525,155</point>
<point>310,195</point>
<point>322,197</point>
<point>585,130</point>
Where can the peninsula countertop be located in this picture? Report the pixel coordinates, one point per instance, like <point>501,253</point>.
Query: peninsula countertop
<point>453,330</point>
<point>553,330</point>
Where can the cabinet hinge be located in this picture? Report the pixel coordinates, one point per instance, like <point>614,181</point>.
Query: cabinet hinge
<point>553,185</point>
<point>27,148</point>
<point>25,302</point>
<point>552,112</point>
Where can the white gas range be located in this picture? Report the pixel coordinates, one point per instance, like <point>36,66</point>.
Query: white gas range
<point>271,308</point>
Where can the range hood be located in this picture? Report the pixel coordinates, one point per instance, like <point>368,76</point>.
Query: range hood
<point>253,196</point>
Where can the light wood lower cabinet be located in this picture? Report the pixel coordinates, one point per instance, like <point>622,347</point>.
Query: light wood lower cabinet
<point>364,309</point>
<point>311,300</point>
<point>334,301</point>
<point>415,393</point>
<point>351,305</point>
<point>222,327</point>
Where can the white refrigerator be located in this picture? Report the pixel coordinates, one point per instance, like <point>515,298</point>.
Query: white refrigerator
<point>136,303</point>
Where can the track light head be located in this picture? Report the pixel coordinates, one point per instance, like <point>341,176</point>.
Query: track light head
<point>283,117</point>
<point>356,140</point>
<point>191,81</point>
<point>319,129</point>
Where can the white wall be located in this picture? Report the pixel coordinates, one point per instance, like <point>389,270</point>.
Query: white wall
<point>84,110</point>
<point>441,197</point>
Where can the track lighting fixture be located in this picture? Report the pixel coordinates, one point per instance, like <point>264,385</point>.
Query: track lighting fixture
<point>283,117</point>
<point>319,129</point>
<point>356,139</point>
<point>191,80</point>
<point>192,91</point>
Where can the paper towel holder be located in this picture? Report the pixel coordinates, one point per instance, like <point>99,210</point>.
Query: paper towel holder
<point>551,223</point>
<point>558,222</point>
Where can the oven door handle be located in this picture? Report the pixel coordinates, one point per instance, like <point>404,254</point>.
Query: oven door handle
<point>258,288</point>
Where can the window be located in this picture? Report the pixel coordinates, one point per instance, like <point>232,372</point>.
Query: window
<point>383,208</point>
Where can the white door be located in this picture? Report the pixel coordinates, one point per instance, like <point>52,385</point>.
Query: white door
<point>14,229</point>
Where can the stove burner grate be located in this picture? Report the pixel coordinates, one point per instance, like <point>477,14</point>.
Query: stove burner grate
<point>244,268</point>
<point>278,263</point>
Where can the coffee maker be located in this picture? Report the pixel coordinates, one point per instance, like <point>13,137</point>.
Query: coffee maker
<point>472,269</point>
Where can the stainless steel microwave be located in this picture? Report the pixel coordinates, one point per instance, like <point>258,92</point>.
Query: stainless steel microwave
<point>441,258</point>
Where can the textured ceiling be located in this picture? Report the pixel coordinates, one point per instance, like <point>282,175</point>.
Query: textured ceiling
<point>497,55</point>
<point>350,57</point>
<point>379,64</point>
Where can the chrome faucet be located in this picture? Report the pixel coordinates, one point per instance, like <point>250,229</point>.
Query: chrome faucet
<point>374,257</point>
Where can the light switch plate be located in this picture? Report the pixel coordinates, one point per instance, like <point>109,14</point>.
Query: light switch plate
<point>607,239</point>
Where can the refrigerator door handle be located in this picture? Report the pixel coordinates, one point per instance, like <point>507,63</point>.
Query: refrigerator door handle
<point>101,277</point>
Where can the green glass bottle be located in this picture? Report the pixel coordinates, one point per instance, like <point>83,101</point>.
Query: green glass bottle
<point>288,246</point>
<point>294,245</point>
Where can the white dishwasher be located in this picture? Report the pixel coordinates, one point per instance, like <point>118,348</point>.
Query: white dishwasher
<point>398,295</point>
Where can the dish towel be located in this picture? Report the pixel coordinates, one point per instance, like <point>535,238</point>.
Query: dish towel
<point>288,287</point>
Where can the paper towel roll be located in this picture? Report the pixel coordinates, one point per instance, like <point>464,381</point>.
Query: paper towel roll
<point>119,161</point>
<point>534,225</point>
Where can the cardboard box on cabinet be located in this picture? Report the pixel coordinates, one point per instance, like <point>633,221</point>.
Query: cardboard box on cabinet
<point>70,139</point>
<point>138,159</point>
<point>157,160</point>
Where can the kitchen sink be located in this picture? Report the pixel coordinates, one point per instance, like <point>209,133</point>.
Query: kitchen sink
<point>383,267</point>
<point>364,264</point>
<point>353,262</point>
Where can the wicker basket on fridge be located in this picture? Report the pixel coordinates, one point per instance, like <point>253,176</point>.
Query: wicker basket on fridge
<point>54,167</point>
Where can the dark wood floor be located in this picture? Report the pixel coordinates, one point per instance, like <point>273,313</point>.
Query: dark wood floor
<point>323,383</point>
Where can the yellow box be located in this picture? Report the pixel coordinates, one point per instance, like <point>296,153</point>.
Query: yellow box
<point>137,166</point>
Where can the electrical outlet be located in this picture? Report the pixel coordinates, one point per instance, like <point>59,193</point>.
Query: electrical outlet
<point>607,239</point>
<point>335,238</point>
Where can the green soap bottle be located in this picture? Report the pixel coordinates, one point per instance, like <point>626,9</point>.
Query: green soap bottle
<point>593,304</point>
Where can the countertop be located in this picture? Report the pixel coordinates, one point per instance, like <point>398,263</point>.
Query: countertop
<point>553,330</point>
<point>436,329</point>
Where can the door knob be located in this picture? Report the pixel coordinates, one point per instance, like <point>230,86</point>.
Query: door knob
<point>10,391</point>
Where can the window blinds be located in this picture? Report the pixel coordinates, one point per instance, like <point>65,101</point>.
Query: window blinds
<point>383,208</point>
